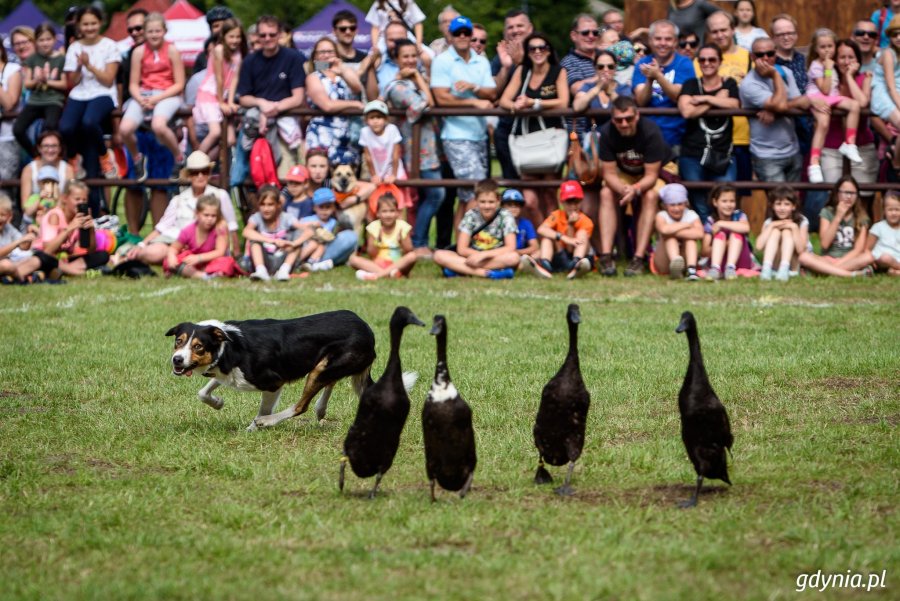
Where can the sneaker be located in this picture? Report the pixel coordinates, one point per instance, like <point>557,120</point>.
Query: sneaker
<point>784,273</point>
<point>851,151</point>
<point>530,265</point>
<point>322,265</point>
<point>607,266</point>
<point>865,272</point>
<point>635,267</point>
<point>676,268</point>
<point>730,272</point>
<point>501,274</point>
<point>140,168</point>
<point>449,273</point>
<point>713,274</point>
<point>396,274</point>
<point>692,274</point>
<point>365,276</point>
<point>260,274</point>
<point>814,173</point>
<point>108,165</point>
<point>581,267</point>
<point>766,273</point>
<point>283,274</point>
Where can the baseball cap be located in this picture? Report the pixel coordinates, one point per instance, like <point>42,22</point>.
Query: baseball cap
<point>512,195</point>
<point>323,196</point>
<point>376,106</point>
<point>47,172</point>
<point>298,173</point>
<point>459,23</point>
<point>673,194</point>
<point>570,189</point>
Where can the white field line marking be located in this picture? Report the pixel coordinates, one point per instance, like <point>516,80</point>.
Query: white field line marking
<point>101,299</point>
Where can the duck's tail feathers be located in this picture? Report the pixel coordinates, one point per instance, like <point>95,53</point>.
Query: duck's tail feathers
<point>409,379</point>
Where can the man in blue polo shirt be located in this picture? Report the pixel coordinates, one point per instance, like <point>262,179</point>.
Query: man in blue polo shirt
<point>462,78</point>
<point>658,78</point>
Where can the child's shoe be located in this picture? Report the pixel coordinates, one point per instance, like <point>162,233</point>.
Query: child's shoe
<point>140,168</point>
<point>692,274</point>
<point>283,274</point>
<point>865,272</point>
<point>260,274</point>
<point>581,267</point>
<point>108,165</point>
<point>676,268</point>
<point>851,151</point>
<point>766,273</point>
<point>730,272</point>
<point>322,265</point>
<point>713,274</point>
<point>501,274</point>
<point>529,264</point>
<point>814,173</point>
<point>365,276</point>
<point>784,273</point>
<point>449,273</point>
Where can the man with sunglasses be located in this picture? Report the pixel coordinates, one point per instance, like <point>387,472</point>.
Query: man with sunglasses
<point>343,26</point>
<point>658,79</point>
<point>771,89</point>
<point>579,62</point>
<point>510,53</point>
<point>632,153</point>
<point>462,78</point>
<point>688,43</point>
<point>865,34</point>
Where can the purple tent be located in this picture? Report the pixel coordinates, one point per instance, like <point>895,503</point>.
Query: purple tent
<point>306,35</point>
<point>25,14</point>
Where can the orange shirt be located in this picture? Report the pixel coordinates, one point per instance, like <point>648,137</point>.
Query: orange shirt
<point>559,222</point>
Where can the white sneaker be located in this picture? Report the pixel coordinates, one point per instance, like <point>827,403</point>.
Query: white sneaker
<point>814,172</point>
<point>676,268</point>
<point>529,264</point>
<point>260,274</point>
<point>766,273</point>
<point>581,267</point>
<point>322,265</point>
<point>783,273</point>
<point>851,151</point>
<point>365,276</point>
<point>283,274</point>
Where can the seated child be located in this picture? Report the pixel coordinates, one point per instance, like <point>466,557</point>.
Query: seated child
<point>200,243</point>
<point>784,236</point>
<point>679,229</point>
<point>526,239</point>
<point>295,194</point>
<point>268,234</point>
<point>45,197</point>
<point>320,230</point>
<point>486,243</point>
<point>725,235</point>
<point>388,243</point>
<point>14,246</point>
<point>884,237</point>
<point>565,237</point>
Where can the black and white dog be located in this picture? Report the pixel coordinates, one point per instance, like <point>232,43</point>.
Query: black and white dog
<point>266,354</point>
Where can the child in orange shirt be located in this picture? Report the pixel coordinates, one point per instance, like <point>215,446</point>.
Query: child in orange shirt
<point>565,238</point>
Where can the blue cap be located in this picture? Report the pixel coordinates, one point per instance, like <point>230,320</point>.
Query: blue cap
<point>323,196</point>
<point>48,172</point>
<point>460,22</point>
<point>512,195</point>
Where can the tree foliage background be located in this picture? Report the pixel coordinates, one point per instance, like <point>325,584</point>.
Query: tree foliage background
<point>552,17</point>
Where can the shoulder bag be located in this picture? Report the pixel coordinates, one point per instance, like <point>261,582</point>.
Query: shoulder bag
<point>538,152</point>
<point>713,159</point>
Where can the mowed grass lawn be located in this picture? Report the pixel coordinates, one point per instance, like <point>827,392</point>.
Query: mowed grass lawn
<point>117,483</point>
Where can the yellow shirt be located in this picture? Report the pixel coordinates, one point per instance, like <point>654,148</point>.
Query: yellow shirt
<point>388,244</point>
<point>735,64</point>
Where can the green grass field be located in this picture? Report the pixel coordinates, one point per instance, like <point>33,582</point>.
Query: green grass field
<point>117,483</point>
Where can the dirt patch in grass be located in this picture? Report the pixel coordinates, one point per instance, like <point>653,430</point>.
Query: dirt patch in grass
<point>891,420</point>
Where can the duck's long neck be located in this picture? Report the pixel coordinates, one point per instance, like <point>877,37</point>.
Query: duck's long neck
<point>572,357</point>
<point>696,365</point>
<point>441,371</point>
<point>393,364</point>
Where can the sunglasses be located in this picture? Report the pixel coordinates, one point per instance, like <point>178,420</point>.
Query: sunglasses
<point>265,36</point>
<point>346,28</point>
<point>862,33</point>
<point>625,120</point>
<point>193,172</point>
<point>479,40</point>
<point>541,48</point>
<point>603,66</point>
<point>640,50</point>
<point>136,29</point>
<point>462,33</point>
<point>586,32</point>
<point>688,44</point>
<point>707,59</point>
<point>768,54</point>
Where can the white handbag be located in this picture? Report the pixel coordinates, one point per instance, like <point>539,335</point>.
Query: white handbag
<point>543,151</point>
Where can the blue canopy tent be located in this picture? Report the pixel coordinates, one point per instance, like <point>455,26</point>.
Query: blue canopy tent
<point>29,15</point>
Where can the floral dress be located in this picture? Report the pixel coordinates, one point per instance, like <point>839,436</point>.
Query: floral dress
<point>333,132</point>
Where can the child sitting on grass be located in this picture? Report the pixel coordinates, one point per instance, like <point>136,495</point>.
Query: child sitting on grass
<point>784,235</point>
<point>388,243</point>
<point>725,235</point>
<point>268,234</point>
<point>486,241</point>
<point>565,237</point>
<point>320,230</point>
<point>295,194</point>
<point>526,239</point>
<point>200,243</point>
<point>14,246</point>
<point>884,237</point>
<point>678,229</point>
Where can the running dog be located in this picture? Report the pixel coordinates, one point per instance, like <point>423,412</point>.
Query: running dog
<point>266,354</point>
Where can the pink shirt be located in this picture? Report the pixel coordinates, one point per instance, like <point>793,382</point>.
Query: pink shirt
<point>156,68</point>
<point>188,238</point>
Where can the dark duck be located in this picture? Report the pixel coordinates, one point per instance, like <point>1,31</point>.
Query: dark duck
<point>705,429</point>
<point>447,426</point>
<point>562,415</point>
<point>374,436</point>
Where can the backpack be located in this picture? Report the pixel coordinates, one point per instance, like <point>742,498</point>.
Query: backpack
<point>262,164</point>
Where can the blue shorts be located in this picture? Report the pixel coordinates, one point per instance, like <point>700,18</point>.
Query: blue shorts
<point>160,161</point>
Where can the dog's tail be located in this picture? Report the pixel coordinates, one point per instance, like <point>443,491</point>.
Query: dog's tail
<point>409,379</point>
<point>361,381</point>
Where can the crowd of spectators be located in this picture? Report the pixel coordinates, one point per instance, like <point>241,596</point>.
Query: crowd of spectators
<point>819,116</point>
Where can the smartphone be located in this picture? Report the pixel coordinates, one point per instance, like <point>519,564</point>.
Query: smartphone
<point>84,236</point>
<point>321,65</point>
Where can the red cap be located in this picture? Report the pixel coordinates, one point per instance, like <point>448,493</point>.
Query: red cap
<point>570,189</point>
<point>298,173</point>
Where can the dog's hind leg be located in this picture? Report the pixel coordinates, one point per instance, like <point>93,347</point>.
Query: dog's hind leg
<point>322,402</point>
<point>310,389</point>
<point>266,406</point>
<point>208,397</point>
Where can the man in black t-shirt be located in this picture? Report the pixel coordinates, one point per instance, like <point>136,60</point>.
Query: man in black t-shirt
<point>632,152</point>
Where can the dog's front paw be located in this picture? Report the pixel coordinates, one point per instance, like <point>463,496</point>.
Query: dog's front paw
<point>263,421</point>
<point>252,427</point>
<point>215,402</point>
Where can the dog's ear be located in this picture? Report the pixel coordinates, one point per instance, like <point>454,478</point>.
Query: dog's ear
<point>220,334</point>
<point>173,331</point>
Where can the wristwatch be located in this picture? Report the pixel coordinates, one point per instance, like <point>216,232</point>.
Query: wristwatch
<point>537,104</point>
<point>558,236</point>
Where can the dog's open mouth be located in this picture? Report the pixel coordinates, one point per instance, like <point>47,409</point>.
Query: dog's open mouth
<point>182,371</point>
